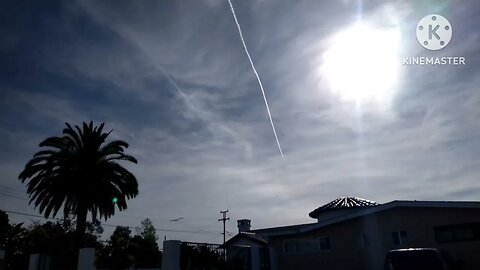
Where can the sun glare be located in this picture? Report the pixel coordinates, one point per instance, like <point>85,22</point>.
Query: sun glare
<point>362,64</point>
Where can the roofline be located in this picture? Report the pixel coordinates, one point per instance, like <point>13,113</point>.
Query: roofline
<point>394,204</point>
<point>432,204</point>
<point>318,211</point>
<point>247,236</point>
<point>362,211</point>
<point>280,228</point>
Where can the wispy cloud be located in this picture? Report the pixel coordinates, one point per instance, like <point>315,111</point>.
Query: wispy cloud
<point>183,94</point>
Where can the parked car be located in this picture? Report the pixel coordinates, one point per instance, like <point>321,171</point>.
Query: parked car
<point>420,259</point>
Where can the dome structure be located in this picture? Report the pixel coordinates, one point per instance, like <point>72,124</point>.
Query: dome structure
<point>342,203</point>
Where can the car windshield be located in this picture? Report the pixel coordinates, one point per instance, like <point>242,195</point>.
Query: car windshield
<point>414,260</point>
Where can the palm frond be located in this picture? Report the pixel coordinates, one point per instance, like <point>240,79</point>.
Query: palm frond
<point>78,170</point>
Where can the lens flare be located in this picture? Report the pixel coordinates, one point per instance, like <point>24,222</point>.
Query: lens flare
<point>362,64</point>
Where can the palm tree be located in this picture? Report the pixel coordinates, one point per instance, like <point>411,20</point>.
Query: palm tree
<point>79,171</point>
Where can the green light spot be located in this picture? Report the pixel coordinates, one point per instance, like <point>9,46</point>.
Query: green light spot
<point>115,200</point>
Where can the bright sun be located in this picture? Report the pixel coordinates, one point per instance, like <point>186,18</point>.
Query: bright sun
<point>362,64</point>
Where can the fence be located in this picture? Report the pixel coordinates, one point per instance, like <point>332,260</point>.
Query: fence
<point>192,256</point>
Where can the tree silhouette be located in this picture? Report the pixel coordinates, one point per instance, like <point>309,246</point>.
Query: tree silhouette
<point>79,171</point>
<point>118,249</point>
<point>144,247</point>
<point>147,231</point>
<point>4,224</point>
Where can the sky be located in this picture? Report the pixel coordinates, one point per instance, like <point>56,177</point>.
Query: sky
<point>173,80</point>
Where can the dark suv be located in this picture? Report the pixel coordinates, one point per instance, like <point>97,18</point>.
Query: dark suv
<point>419,259</point>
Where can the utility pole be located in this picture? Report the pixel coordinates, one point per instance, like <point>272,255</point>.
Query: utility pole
<point>224,219</point>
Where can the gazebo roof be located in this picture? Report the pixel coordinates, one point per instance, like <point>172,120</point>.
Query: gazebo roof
<point>342,203</point>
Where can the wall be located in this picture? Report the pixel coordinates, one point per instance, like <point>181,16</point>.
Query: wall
<point>171,255</point>
<point>347,252</point>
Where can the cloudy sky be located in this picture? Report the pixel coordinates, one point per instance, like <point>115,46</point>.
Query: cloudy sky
<point>172,79</point>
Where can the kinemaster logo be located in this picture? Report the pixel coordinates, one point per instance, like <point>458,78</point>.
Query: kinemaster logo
<point>434,32</point>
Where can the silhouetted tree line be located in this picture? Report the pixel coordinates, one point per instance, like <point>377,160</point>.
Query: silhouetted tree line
<point>123,250</point>
<point>201,257</point>
<point>57,239</point>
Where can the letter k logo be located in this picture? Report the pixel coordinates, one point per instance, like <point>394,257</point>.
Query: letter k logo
<point>433,32</point>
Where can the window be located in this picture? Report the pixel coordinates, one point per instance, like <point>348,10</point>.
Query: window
<point>364,241</point>
<point>305,245</point>
<point>399,238</point>
<point>300,246</point>
<point>457,233</point>
<point>325,243</point>
<point>289,246</point>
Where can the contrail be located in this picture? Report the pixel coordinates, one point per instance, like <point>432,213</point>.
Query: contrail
<point>175,85</point>
<point>256,75</point>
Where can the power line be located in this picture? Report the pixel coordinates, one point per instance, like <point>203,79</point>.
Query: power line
<point>120,214</point>
<point>9,192</point>
<point>199,231</point>
<point>29,215</point>
<point>180,221</point>
<point>195,230</point>
<point>160,230</point>
<point>113,225</point>
<point>12,196</point>
<point>135,216</point>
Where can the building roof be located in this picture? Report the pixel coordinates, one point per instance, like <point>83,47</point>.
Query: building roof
<point>303,228</point>
<point>282,229</point>
<point>342,203</point>
<point>245,235</point>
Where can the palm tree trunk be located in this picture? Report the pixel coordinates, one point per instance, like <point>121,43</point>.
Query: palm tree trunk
<point>81,225</point>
